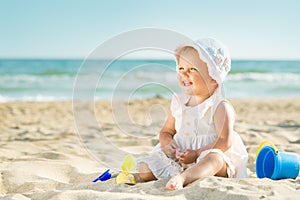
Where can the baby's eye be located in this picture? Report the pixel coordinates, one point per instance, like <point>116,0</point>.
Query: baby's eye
<point>194,69</point>
<point>180,68</point>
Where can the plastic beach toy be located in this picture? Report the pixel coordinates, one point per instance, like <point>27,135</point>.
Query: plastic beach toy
<point>103,177</point>
<point>128,165</point>
<point>271,163</point>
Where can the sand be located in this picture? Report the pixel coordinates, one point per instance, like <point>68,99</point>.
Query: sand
<point>43,157</point>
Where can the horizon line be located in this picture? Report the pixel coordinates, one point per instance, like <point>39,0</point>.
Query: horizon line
<point>138,58</point>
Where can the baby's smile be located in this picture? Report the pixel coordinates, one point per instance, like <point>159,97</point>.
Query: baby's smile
<point>187,83</point>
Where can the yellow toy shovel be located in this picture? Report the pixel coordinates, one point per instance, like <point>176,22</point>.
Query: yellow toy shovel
<point>128,165</point>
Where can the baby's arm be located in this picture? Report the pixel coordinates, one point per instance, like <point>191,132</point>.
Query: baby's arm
<point>223,120</point>
<point>166,141</point>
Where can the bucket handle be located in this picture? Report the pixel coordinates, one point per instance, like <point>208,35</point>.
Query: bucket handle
<point>262,144</point>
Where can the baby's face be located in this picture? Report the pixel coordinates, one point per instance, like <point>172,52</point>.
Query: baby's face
<point>193,74</point>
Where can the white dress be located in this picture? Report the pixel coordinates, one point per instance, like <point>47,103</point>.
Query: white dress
<point>195,129</point>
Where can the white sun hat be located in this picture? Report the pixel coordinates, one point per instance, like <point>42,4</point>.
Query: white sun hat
<point>215,55</point>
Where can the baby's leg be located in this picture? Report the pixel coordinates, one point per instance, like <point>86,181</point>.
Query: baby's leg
<point>145,173</point>
<point>210,165</point>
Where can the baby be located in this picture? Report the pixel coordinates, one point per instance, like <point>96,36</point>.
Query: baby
<point>197,139</point>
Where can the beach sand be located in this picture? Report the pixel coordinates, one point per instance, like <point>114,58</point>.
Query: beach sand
<point>43,157</point>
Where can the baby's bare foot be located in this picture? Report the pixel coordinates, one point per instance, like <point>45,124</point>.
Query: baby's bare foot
<point>175,183</point>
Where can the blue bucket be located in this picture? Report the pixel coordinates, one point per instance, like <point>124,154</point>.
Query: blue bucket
<point>270,163</point>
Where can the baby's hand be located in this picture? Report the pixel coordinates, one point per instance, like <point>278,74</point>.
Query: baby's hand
<point>170,149</point>
<point>186,156</point>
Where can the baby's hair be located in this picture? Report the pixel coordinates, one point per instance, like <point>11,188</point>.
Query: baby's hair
<point>182,49</point>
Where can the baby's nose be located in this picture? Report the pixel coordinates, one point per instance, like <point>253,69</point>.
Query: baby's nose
<point>184,74</point>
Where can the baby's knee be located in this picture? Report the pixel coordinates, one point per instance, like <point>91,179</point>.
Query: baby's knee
<point>144,172</point>
<point>216,158</point>
<point>142,167</point>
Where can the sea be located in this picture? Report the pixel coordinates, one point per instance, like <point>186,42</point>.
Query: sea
<point>128,79</point>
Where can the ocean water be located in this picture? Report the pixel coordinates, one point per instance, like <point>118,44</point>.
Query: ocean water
<point>50,80</point>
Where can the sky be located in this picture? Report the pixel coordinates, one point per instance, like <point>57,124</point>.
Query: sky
<point>256,29</point>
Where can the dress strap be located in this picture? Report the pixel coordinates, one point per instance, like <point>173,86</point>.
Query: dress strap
<point>216,104</point>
